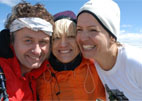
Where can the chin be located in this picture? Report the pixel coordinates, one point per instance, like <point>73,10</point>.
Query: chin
<point>66,61</point>
<point>36,66</point>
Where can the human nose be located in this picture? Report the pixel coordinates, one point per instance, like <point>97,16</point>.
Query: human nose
<point>63,42</point>
<point>83,36</point>
<point>37,49</point>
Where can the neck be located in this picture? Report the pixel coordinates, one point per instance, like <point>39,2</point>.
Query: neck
<point>108,59</point>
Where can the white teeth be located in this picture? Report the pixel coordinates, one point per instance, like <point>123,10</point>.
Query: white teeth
<point>64,52</point>
<point>88,47</point>
<point>36,58</point>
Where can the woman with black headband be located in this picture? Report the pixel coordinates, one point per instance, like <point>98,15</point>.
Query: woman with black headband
<point>119,66</point>
<point>70,77</point>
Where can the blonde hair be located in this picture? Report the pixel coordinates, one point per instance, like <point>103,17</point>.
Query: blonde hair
<point>64,27</point>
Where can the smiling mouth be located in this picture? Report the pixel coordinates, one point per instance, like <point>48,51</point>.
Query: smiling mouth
<point>88,47</point>
<point>35,58</point>
<point>64,51</point>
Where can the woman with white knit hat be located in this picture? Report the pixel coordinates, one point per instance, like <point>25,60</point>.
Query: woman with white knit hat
<point>119,66</point>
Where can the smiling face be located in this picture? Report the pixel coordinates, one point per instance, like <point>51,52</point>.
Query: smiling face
<point>31,48</point>
<point>64,45</point>
<point>93,40</point>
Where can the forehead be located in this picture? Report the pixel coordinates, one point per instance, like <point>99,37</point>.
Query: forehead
<point>86,19</point>
<point>26,32</point>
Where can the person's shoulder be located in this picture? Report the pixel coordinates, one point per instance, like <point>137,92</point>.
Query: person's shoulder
<point>87,61</point>
<point>131,56</point>
<point>5,50</point>
<point>5,64</point>
<point>3,60</point>
<point>133,63</point>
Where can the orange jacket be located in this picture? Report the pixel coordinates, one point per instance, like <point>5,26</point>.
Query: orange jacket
<point>81,84</point>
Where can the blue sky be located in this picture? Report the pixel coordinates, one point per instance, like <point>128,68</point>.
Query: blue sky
<point>131,15</point>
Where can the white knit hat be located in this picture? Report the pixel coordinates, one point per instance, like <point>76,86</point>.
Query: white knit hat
<point>107,12</point>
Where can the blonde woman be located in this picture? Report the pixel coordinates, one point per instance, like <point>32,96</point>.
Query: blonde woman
<point>71,76</point>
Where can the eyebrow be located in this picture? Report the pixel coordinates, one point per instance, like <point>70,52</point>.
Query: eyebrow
<point>94,26</point>
<point>27,37</point>
<point>44,38</point>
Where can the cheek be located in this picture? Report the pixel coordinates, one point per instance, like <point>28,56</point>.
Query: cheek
<point>20,51</point>
<point>101,41</point>
<point>18,47</point>
<point>77,49</point>
<point>54,50</point>
<point>96,38</point>
<point>78,39</point>
<point>46,48</point>
<point>54,46</point>
<point>75,46</point>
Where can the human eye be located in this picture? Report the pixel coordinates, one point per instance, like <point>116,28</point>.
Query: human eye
<point>56,38</point>
<point>94,30</point>
<point>78,29</point>
<point>28,41</point>
<point>71,36</point>
<point>43,42</point>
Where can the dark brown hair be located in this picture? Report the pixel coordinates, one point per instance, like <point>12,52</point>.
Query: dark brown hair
<point>25,9</point>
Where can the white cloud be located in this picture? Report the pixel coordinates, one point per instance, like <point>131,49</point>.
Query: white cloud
<point>9,2</point>
<point>134,39</point>
<point>123,31</point>
<point>131,35</point>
